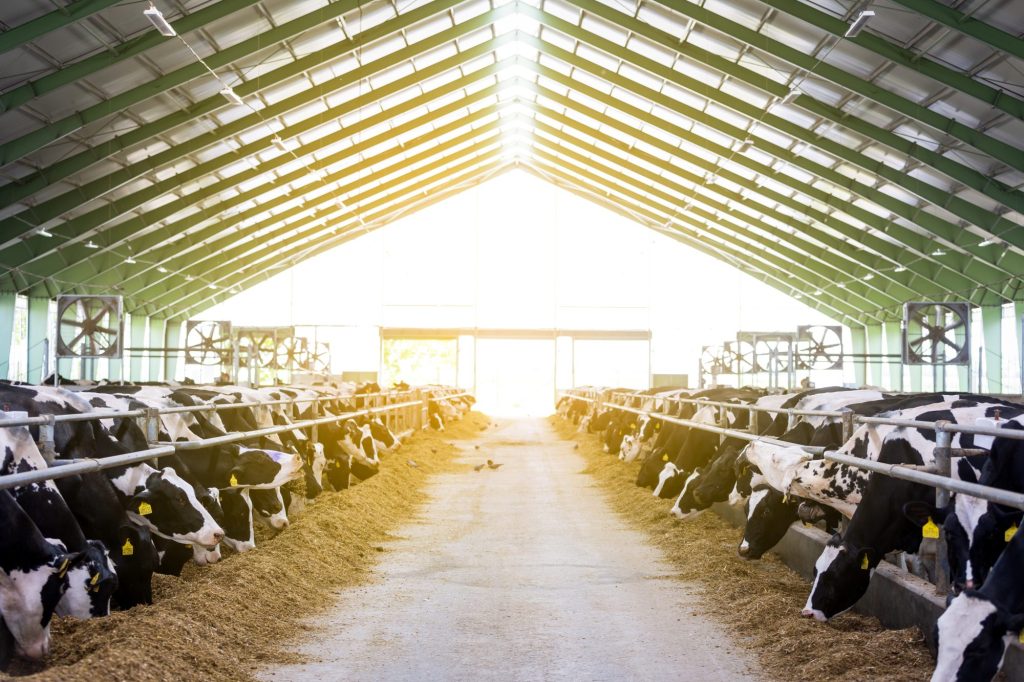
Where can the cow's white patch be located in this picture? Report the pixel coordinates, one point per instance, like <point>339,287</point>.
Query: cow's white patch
<point>677,510</point>
<point>756,498</point>
<point>21,602</point>
<point>958,627</point>
<point>735,498</point>
<point>824,561</point>
<point>969,511</point>
<point>75,602</point>
<point>667,472</point>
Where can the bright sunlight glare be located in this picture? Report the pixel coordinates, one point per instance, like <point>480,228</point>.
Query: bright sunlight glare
<point>518,253</point>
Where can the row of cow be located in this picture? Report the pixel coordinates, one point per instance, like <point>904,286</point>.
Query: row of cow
<point>84,544</point>
<point>779,483</point>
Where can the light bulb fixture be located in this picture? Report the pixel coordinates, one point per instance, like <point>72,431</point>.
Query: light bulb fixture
<point>156,18</point>
<point>939,252</point>
<point>868,277</point>
<point>161,269</point>
<point>990,241</point>
<point>798,296</point>
<point>91,245</point>
<point>859,23</point>
<point>817,292</point>
<point>900,268</point>
<point>44,233</point>
<point>211,286</point>
<point>129,261</point>
<point>841,285</point>
<point>279,143</point>
<point>189,278</point>
<point>230,95</point>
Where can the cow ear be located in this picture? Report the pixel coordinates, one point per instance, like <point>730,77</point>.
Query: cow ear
<point>919,512</point>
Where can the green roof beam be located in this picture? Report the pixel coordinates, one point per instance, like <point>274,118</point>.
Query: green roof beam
<point>40,26</point>
<point>938,72</point>
<point>723,252</point>
<point>80,225</point>
<point>106,267</point>
<point>133,47</point>
<point>961,23</point>
<point>761,248</point>
<point>230,274</point>
<point>914,214</point>
<point>29,185</point>
<point>870,219</point>
<point>950,167</point>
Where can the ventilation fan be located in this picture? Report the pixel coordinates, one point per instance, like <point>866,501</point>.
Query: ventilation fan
<point>320,358</point>
<point>740,357</point>
<point>712,360</point>
<point>930,333</point>
<point>89,326</point>
<point>207,342</point>
<point>819,346</point>
<point>291,353</point>
<point>258,346</point>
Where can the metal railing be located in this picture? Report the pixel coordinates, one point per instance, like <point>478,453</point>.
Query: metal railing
<point>937,476</point>
<point>411,413</point>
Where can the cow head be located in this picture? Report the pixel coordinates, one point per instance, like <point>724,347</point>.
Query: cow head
<point>169,507</point>
<point>972,637</point>
<point>239,534</point>
<point>841,577</point>
<point>136,559</point>
<point>382,434</point>
<point>268,506</point>
<point>769,515</point>
<point>92,580</point>
<point>28,599</point>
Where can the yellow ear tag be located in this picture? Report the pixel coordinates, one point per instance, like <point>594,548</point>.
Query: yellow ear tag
<point>864,564</point>
<point>233,480</point>
<point>657,426</point>
<point>63,568</point>
<point>930,530</point>
<point>127,549</point>
<point>785,498</point>
<point>1010,532</point>
<point>95,579</point>
<point>632,426</point>
<point>664,458</point>
<point>145,509</point>
<point>1020,636</point>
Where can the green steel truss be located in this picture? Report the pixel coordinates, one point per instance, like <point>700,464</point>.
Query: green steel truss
<point>852,247</point>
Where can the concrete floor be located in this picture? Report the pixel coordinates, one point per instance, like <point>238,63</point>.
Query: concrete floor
<point>523,573</point>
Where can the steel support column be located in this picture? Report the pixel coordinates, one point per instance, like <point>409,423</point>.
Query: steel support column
<point>137,340</point>
<point>858,341</point>
<point>874,345</point>
<point>7,303</point>
<point>893,347</point>
<point>992,332</point>
<point>963,372</point>
<point>38,330</point>
<point>915,371</point>
<point>156,334</point>
<point>172,339</point>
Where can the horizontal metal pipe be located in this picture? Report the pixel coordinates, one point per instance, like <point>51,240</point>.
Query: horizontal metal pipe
<point>82,466</point>
<point>164,449</point>
<point>729,433</point>
<point>950,427</point>
<point>914,475</point>
<point>271,430</point>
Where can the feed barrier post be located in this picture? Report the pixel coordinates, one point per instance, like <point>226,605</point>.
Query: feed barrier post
<point>943,440</point>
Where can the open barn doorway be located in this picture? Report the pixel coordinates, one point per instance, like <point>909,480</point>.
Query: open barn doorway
<point>515,377</point>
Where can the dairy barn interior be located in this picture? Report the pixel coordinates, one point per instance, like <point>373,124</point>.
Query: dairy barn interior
<point>511,339</point>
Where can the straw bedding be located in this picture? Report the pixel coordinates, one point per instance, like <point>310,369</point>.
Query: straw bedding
<point>759,601</point>
<point>223,621</point>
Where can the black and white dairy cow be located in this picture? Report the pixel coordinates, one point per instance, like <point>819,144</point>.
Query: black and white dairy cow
<point>33,578</point>
<point>977,531</point>
<point>978,625</point>
<point>92,578</point>
<point>878,524</point>
<point>180,514</point>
